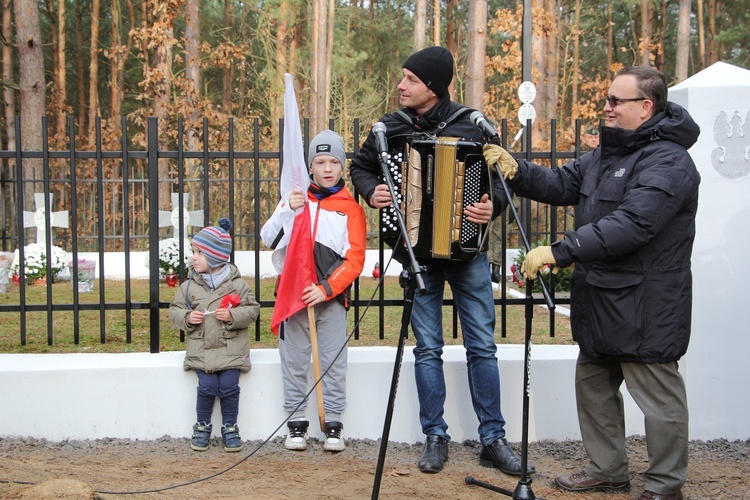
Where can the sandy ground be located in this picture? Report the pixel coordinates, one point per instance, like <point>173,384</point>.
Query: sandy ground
<point>168,468</point>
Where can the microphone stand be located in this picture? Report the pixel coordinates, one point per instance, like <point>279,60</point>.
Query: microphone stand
<point>410,280</point>
<point>523,489</point>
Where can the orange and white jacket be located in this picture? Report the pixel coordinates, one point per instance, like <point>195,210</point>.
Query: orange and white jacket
<point>340,234</point>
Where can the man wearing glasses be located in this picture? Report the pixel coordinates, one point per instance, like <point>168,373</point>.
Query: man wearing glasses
<point>636,197</point>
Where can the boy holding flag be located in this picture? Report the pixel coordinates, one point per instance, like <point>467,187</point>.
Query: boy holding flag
<point>322,229</point>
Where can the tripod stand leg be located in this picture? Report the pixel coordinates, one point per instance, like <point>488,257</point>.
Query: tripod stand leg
<point>488,486</point>
<point>405,319</point>
<point>523,489</point>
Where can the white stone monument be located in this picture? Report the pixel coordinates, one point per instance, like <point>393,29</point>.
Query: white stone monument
<point>717,365</point>
<point>36,219</point>
<point>194,218</point>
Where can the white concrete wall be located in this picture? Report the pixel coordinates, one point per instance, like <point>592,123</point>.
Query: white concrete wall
<point>114,263</point>
<point>147,396</point>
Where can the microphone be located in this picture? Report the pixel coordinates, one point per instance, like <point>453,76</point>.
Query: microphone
<point>382,143</point>
<point>487,129</point>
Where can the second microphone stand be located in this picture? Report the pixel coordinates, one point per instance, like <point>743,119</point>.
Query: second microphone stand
<point>410,280</point>
<point>523,489</point>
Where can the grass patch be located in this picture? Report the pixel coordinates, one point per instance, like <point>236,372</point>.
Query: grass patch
<point>113,335</point>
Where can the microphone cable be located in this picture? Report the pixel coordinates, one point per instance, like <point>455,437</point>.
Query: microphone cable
<point>273,434</point>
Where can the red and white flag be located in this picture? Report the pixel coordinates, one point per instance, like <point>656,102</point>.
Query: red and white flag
<point>299,266</point>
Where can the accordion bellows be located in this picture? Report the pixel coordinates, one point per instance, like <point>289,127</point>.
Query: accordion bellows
<point>435,180</point>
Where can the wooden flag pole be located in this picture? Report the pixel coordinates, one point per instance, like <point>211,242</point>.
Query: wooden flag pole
<point>316,366</point>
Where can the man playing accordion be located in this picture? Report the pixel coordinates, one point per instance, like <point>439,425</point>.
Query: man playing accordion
<point>429,114</point>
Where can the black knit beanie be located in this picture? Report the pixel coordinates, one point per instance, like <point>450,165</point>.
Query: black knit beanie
<point>434,66</point>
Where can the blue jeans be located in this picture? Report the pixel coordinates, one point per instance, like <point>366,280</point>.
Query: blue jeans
<point>472,293</point>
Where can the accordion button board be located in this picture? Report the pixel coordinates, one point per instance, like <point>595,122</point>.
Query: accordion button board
<point>435,180</point>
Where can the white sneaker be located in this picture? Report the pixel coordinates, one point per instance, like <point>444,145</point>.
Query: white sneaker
<point>297,437</point>
<point>334,441</point>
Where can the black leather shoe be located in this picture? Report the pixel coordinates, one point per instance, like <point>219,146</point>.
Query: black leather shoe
<point>499,454</point>
<point>435,454</point>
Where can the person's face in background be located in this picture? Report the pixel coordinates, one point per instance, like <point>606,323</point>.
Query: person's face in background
<point>415,94</point>
<point>326,170</point>
<point>591,140</point>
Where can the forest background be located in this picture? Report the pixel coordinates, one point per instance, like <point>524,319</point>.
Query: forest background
<point>110,64</point>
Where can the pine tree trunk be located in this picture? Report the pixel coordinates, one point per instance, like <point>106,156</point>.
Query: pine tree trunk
<point>329,58</point>
<point>282,32</point>
<point>575,65</point>
<point>53,34</point>
<point>242,77</point>
<point>451,36</point>
<point>228,73</point>
<point>93,73</point>
<point>551,73</point>
<point>660,37</point>
<point>81,114</point>
<point>162,84</point>
<point>9,97</point>
<point>420,24</point>
<point>713,47</point>
<point>322,50</point>
<point>701,36</point>
<point>31,89</point>
<point>116,65</point>
<point>59,90</point>
<point>476,48</point>
<point>436,22</point>
<point>610,39</point>
<point>318,67</point>
<point>315,58</point>
<point>646,32</point>
<point>683,41</point>
<point>192,71</point>
<point>62,64</point>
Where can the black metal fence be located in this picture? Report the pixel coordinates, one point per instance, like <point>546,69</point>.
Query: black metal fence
<point>114,205</point>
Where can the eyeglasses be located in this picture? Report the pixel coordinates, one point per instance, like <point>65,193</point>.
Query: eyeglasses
<point>615,101</point>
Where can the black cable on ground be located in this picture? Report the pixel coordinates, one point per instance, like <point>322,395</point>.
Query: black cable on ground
<point>271,436</point>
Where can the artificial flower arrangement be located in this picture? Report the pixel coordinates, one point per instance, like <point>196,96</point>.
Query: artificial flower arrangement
<point>35,261</point>
<point>6,260</point>
<point>86,273</point>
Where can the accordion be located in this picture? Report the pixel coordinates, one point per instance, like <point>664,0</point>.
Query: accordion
<point>435,179</point>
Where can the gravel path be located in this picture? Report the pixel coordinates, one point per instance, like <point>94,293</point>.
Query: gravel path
<point>167,468</point>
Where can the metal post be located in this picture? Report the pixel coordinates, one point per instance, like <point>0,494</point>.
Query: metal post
<point>152,154</point>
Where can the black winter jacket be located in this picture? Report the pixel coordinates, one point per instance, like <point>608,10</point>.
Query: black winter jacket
<point>636,197</point>
<point>365,170</point>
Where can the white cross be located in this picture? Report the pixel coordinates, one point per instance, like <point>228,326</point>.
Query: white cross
<point>36,219</point>
<point>194,218</point>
